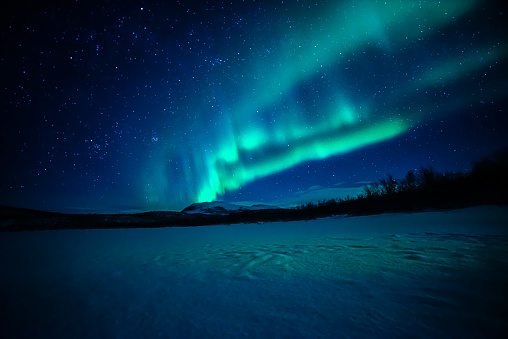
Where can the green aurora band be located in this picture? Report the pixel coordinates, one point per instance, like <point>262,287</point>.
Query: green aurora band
<point>265,125</point>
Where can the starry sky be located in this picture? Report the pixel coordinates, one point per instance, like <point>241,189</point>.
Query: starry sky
<point>128,106</point>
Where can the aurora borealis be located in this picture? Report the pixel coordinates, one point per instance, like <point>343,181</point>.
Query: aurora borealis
<point>153,106</point>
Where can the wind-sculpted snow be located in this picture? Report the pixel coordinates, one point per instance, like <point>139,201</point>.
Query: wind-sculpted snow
<point>423,275</point>
<point>328,258</point>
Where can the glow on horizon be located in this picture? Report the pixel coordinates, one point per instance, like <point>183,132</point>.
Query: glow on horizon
<point>264,130</point>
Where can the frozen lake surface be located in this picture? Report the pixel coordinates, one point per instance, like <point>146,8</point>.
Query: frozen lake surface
<point>422,275</point>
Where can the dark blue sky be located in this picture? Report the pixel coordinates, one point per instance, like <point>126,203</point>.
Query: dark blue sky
<point>134,106</point>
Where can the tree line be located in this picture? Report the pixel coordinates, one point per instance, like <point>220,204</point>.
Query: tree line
<point>424,189</point>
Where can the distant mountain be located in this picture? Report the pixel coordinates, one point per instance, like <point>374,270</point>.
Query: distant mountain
<point>222,208</point>
<point>9,212</point>
<point>200,214</point>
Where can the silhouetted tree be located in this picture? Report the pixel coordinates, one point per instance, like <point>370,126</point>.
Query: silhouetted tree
<point>422,189</point>
<point>372,190</point>
<point>389,184</point>
<point>427,176</point>
<point>409,182</point>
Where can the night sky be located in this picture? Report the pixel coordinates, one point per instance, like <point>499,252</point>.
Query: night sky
<point>125,106</point>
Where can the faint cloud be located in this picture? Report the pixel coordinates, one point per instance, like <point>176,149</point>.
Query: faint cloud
<point>317,193</point>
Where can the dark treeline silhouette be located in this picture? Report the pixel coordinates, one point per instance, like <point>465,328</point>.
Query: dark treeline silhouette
<point>14,219</point>
<point>421,190</point>
<point>426,189</point>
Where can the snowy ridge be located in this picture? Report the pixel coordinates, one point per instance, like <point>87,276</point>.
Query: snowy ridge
<point>222,208</point>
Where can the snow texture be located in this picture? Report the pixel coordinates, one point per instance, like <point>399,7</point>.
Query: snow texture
<point>421,275</point>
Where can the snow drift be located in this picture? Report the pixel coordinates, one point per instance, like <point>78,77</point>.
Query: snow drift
<point>435,274</point>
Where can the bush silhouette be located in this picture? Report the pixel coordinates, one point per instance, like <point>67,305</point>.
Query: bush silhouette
<point>425,189</point>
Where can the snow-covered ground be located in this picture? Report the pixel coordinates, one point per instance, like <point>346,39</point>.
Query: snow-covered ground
<point>423,275</point>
